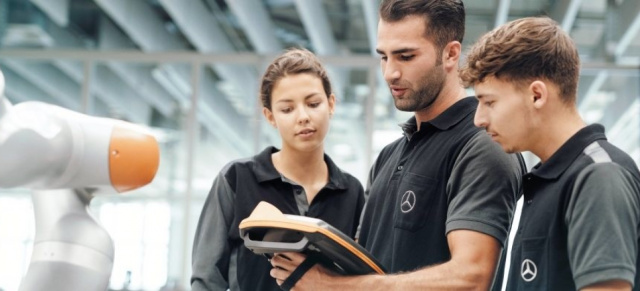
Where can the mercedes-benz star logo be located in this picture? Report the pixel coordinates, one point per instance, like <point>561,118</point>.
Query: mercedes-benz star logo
<point>528,271</point>
<point>408,201</point>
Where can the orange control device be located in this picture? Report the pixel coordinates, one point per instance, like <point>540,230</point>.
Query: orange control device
<point>267,231</point>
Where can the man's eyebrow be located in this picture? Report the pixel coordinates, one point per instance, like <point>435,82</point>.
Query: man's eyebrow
<point>479,96</point>
<point>398,51</point>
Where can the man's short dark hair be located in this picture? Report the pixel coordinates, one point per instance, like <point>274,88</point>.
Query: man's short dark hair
<point>444,18</point>
<point>524,50</point>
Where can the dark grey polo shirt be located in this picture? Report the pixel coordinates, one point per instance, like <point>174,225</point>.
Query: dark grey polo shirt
<point>579,223</point>
<point>220,260</point>
<point>449,175</point>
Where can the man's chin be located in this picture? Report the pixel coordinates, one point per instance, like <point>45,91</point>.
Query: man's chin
<point>509,150</point>
<point>403,106</point>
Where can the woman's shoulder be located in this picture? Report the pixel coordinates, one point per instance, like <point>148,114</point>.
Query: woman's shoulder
<point>347,179</point>
<point>258,167</point>
<point>238,164</point>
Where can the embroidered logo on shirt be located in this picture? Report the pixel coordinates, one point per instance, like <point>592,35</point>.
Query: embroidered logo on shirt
<point>408,201</point>
<point>528,271</point>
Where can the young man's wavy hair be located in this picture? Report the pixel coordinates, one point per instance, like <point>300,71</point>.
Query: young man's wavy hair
<point>444,18</point>
<point>293,62</point>
<point>522,51</point>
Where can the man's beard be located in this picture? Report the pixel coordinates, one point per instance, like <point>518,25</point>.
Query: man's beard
<point>427,93</point>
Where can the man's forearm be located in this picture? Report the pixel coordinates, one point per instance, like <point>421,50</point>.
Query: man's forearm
<point>447,276</point>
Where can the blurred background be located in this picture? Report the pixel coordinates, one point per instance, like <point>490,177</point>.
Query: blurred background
<point>189,70</point>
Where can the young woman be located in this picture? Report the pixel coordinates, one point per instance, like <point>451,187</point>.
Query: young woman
<point>297,179</point>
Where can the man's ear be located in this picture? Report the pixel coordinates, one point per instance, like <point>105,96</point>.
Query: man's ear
<point>269,116</point>
<point>451,55</point>
<point>539,94</point>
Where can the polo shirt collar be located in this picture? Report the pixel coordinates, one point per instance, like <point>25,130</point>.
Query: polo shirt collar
<point>266,171</point>
<point>560,161</point>
<point>446,120</point>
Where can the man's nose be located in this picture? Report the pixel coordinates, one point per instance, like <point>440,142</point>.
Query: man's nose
<point>390,72</point>
<point>479,119</point>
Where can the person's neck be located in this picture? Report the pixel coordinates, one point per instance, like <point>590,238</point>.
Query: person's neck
<point>555,133</point>
<point>301,167</point>
<point>449,95</point>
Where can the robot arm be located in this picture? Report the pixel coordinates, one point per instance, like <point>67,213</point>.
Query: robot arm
<point>66,156</point>
<point>47,147</point>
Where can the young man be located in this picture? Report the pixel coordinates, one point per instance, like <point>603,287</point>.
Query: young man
<point>441,198</point>
<point>579,224</point>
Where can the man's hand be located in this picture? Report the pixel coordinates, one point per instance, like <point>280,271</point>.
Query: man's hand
<point>316,278</point>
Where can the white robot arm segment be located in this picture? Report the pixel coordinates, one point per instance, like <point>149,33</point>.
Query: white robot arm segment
<point>45,147</point>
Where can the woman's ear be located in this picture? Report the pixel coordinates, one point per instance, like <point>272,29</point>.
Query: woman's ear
<point>332,104</point>
<point>269,116</point>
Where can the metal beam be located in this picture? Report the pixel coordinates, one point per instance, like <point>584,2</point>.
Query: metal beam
<point>565,13</point>
<point>202,30</point>
<point>105,88</point>
<point>628,25</point>
<point>502,13</point>
<point>146,28</point>
<point>192,139</point>
<point>370,8</point>
<point>57,10</point>
<point>48,79</point>
<point>589,103</point>
<point>623,24</point>
<point>142,24</point>
<point>4,104</point>
<point>354,61</point>
<point>625,91</point>
<point>362,61</point>
<point>21,90</point>
<point>316,24</point>
<point>257,25</point>
<point>624,132</point>
<point>314,18</point>
<point>595,86</point>
<point>120,97</point>
<point>369,116</point>
<point>138,77</point>
<point>87,81</point>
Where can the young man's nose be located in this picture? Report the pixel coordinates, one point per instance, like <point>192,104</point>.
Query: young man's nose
<point>479,120</point>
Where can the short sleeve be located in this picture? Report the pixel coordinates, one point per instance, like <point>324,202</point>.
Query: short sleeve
<point>602,222</point>
<point>483,188</point>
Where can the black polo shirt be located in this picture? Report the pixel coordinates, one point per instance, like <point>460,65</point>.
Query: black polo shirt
<point>579,223</point>
<point>220,260</point>
<point>449,175</point>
